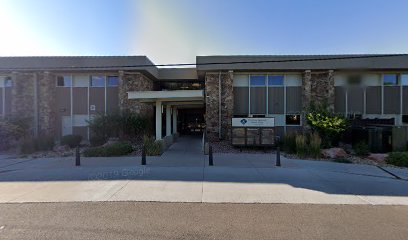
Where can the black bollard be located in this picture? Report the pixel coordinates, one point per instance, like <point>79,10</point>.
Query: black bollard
<point>77,157</point>
<point>143,156</point>
<point>278,162</point>
<point>210,156</point>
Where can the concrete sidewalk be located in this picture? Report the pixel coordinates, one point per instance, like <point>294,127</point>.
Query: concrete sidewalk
<point>235,178</point>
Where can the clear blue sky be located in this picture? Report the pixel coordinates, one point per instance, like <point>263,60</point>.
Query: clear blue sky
<point>170,31</point>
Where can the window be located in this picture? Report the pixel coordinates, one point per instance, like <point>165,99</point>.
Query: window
<point>354,79</point>
<point>405,119</point>
<point>390,79</point>
<point>8,82</point>
<point>257,81</point>
<point>97,81</point>
<point>404,79</point>
<point>64,81</point>
<point>293,119</point>
<point>275,80</point>
<point>80,81</point>
<point>113,81</point>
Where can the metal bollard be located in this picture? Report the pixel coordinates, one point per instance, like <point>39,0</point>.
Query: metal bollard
<point>278,162</point>
<point>143,156</point>
<point>210,156</point>
<point>77,157</point>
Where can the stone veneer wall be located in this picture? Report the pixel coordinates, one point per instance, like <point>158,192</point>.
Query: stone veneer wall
<point>47,115</point>
<point>317,87</point>
<point>23,100</point>
<point>134,82</point>
<point>212,104</point>
<point>22,91</point>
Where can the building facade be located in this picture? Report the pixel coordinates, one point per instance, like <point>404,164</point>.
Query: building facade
<point>60,94</point>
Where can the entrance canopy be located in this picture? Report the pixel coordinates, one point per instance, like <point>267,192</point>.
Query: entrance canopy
<point>171,100</point>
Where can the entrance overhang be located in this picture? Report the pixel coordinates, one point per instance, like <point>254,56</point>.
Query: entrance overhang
<point>172,100</point>
<point>168,96</point>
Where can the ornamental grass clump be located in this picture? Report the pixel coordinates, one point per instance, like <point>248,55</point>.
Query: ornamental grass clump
<point>289,143</point>
<point>301,146</point>
<point>315,145</point>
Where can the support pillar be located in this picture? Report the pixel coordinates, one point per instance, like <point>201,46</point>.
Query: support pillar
<point>168,120</point>
<point>174,120</point>
<point>158,120</point>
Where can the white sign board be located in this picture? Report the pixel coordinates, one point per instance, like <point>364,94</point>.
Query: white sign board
<point>253,122</point>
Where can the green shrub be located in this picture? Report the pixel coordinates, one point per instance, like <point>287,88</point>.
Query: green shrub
<point>116,149</point>
<point>125,125</point>
<point>315,143</point>
<point>71,140</point>
<point>329,125</point>
<point>399,159</point>
<point>301,146</point>
<point>152,147</point>
<point>41,143</point>
<point>289,143</point>
<point>97,140</point>
<point>361,149</point>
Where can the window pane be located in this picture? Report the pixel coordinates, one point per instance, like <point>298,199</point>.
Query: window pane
<point>97,81</point>
<point>258,80</point>
<point>7,82</point>
<point>113,81</point>
<point>405,119</point>
<point>292,119</point>
<point>404,79</point>
<point>390,79</point>
<point>80,81</point>
<point>64,81</point>
<point>275,80</point>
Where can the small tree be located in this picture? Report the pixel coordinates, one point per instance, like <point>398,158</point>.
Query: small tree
<point>328,125</point>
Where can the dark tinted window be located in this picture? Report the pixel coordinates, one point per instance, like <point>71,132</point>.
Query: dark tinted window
<point>258,80</point>
<point>405,119</point>
<point>98,81</point>
<point>8,82</point>
<point>113,81</point>
<point>293,119</point>
<point>275,80</point>
<point>64,81</point>
<point>390,79</point>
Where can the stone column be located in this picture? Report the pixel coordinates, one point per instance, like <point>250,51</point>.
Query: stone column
<point>306,90</point>
<point>317,88</point>
<point>22,99</point>
<point>330,90</point>
<point>134,81</point>
<point>216,106</point>
<point>227,104</point>
<point>47,115</point>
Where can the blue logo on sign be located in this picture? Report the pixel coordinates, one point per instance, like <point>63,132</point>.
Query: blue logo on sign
<point>244,121</point>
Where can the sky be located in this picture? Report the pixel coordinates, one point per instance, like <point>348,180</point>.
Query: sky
<point>175,31</point>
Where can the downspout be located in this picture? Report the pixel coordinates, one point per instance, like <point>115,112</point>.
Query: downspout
<point>219,106</point>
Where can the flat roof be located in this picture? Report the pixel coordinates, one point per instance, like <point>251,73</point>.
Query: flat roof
<point>302,62</point>
<point>79,63</point>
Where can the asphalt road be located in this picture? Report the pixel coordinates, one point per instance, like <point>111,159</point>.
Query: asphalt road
<point>136,220</point>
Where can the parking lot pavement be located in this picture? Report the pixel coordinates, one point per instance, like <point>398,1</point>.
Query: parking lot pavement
<point>235,178</point>
<point>137,220</point>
